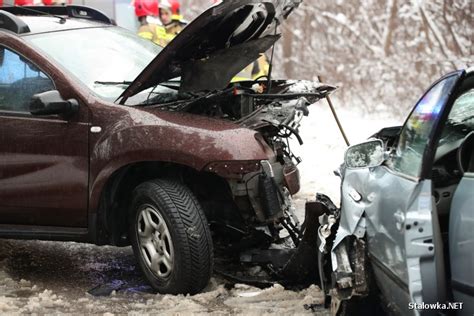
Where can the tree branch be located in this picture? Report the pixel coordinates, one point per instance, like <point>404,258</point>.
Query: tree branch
<point>437,35</point>
<point>356,33</point>
<point>457,46</point>
<point>391,24</point>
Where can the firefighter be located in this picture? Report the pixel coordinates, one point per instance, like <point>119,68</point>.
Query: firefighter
<point>171,18</point>
<point>146,10</point>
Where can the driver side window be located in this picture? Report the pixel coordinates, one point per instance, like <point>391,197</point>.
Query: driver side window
<point>416,133</point>
<point>19,81</point>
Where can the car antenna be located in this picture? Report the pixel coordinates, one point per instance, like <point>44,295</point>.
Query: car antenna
<point>270,67</point>
<point>62,19</point>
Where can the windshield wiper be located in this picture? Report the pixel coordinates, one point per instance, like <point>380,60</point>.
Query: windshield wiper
<point>114,83</point>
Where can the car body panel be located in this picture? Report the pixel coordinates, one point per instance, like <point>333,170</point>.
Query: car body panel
<point>192,140</point>
<point>135,135</point>
<point>56,162</point>
<point>397,215</point>
<point>379,190</point>
<point>51,171</point>
<point>461,244</point>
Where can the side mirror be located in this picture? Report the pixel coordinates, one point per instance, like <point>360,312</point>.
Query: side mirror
<point>51,103</point>
<point>365,155</point>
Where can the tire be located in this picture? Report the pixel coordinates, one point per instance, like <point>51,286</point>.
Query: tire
<point>170,237</point>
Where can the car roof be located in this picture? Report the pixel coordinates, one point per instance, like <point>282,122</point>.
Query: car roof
<point>43,24</point>
<point>44,19</point>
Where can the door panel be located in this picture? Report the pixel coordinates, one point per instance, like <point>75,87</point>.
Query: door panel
<point>43,172</point>
<point>461,244</point>
<point>401,224</point>
<point>391,205</point>
<point>43,160</point>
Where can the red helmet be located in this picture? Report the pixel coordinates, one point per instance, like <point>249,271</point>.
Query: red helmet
<point>175,7</point>
<point>146,7</point>
<point>24,2</point>
<point>56,2</point>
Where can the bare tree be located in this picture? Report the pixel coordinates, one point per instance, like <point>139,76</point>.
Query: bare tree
<point>381,53</point>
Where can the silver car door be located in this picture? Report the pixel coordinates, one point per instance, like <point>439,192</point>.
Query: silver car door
<point>461,213</point>
<point>461,244</point>
<point>392,204</point>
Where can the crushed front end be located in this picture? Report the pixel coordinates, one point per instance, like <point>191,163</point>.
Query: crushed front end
<point>259,228</point>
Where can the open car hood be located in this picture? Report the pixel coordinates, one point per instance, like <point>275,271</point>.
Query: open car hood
<point>216,46</point>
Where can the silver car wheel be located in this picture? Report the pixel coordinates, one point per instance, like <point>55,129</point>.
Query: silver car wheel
<point>155,242</point>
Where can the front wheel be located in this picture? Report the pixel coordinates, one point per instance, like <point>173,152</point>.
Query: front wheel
<point>170,237</point>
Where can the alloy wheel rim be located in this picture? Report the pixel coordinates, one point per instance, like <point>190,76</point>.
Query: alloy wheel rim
<point>155,242</point>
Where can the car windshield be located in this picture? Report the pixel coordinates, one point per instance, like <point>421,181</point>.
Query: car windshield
<point>105,59</point>
<point>461,119</point>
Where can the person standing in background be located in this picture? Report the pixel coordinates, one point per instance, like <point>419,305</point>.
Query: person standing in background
<point>172,20</point>
<point>147,13</point>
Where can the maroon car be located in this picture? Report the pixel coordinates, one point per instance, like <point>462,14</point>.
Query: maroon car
<point>109,139</point>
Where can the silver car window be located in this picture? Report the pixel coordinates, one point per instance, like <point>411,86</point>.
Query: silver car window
<point>460,122</point>
<point>416,133</point>
<point>461,117</point>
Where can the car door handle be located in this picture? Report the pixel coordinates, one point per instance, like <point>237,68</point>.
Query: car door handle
<point>355,195</point>
<point>400,219</point>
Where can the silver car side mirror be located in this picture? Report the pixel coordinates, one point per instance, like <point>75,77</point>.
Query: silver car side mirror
<point>365,155</point>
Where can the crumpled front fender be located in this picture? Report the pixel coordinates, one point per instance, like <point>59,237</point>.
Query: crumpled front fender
<point>354,201</point>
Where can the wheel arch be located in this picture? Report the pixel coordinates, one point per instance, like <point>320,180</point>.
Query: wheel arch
<point>111,215</point>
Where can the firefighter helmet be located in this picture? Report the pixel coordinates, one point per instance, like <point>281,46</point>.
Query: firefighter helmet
<point>146,7</point>
<point>56,2</point>
<point>24,2</point>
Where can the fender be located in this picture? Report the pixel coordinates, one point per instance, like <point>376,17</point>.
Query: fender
<point>132,135</point>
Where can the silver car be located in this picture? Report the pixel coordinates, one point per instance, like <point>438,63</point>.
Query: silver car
<point>403,237</point>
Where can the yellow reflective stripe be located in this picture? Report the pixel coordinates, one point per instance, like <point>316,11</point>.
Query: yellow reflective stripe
<point>177,17</point>
<point>146,35</point>
<point>237,79</point>
<point>160,30</point>
<point>160,42</point>
<point>162,36</point>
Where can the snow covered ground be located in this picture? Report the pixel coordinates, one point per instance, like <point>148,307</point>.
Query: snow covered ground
<point>47,277</point>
